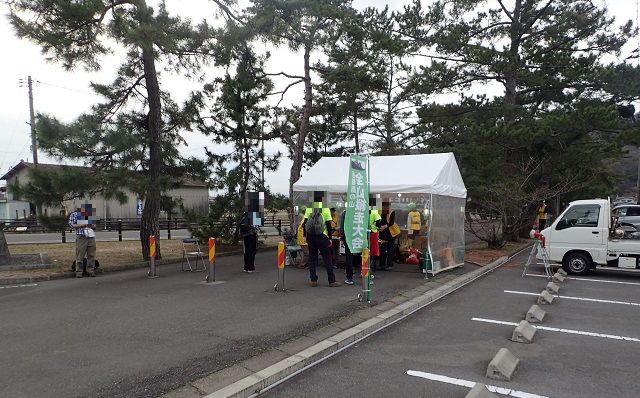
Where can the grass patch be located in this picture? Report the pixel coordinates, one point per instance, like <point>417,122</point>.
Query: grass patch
<point>113,253</point>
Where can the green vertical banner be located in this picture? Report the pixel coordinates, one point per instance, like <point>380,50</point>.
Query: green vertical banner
<point>356,222</point>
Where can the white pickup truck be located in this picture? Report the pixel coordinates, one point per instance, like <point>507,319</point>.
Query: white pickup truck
<point>584,237</point>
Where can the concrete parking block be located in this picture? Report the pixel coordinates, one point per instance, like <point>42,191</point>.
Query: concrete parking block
<point>562,272</point>
<point>552,288</point>
<point>523,333</point>
<point>503,365</point>
<point>545,298</point>
<point>535,314</point>
<point>558,278</point>
<point>480,391</point>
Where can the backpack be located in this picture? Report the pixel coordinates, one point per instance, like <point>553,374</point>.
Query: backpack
<point>315,223</point>
<point>246,229</point>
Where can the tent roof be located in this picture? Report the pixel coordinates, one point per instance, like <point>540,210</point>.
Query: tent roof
<point>436,173</point>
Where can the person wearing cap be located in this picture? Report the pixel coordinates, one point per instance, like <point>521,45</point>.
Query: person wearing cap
<point>413,221</point>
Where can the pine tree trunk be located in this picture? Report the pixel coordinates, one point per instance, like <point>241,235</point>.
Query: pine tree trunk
<point>509,227</point>
<point>150,222</point>
<point>355,127</point>
<point>298,150</point>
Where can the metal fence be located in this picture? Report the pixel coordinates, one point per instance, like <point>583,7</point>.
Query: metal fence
<point>130,224</point>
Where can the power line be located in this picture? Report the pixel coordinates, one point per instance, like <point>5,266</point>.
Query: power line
<point>65,88</point>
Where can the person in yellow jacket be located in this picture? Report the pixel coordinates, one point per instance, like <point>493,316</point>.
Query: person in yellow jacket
<point>302,242</point>
<point>543,213</point>
<point>317,230</point>
<point>375,222</point>
<point>388,231</point>
<point>413,221</point>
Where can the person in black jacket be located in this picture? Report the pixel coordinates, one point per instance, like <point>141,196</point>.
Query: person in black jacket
<point>387,236</point>
<point>348,256</point>
<point>251,220</point>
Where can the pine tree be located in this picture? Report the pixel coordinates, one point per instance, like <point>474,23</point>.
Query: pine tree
<point>235,118</point>
<point>303,26</point>
<point>543,108</point>
<point>134,126</point>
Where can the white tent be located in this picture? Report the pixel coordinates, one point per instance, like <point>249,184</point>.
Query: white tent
<point>415,174</point>
<point>432,181</point>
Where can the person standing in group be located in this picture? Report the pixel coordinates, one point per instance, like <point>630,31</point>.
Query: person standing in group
<point>335,236</point>
<point>317,229</point>
<point>251,220</point>
<point>543,212</point>
<point>83,221</point>
<point>413,221</point>
<point>388,231</point>
<point>348,256</point>
<point>375,222</point>
<point>302,242</point>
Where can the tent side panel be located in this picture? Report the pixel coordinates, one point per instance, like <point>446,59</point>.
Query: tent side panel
<point>446,232</point>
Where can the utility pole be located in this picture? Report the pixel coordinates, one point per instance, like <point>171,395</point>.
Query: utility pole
<point>262,139</point>
<point>34,148</point>
<point>32,124</point>
<point>638,183</point>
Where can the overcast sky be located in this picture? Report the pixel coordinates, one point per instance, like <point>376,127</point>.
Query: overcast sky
<point>67,94</point>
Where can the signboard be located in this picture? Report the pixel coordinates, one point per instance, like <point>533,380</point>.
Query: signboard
<point>140,207</point>
<point>356,222</point>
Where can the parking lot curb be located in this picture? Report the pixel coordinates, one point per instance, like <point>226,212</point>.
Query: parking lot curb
<point>277,373</point>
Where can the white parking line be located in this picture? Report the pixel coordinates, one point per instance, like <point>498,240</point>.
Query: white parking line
<point>578,298</point>
<point>569,331</point>
<point>592,280</point>
<point>604,281</point>
<point>470,384</point>
<point>14,286</point>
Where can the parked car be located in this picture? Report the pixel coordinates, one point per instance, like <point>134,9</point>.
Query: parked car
<point>582,239</point>
<point>628,214</point>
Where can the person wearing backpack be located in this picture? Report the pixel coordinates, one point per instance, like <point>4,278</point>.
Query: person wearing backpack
<point>249,234</point>
<point>317,231</point>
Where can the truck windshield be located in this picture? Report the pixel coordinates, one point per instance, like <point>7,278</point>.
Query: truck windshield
<point>580,216</point>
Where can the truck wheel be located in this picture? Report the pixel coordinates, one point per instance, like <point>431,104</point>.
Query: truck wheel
<point>577,264</point>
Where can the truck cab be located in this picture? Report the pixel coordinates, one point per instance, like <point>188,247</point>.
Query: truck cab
<point>585,237</point>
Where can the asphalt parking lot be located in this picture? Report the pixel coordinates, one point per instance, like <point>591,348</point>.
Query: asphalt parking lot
<point>586,346</point>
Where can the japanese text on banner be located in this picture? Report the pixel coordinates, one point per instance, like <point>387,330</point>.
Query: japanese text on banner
<point>357,211</point>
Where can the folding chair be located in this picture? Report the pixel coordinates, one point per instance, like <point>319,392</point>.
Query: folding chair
<point>294,251</point>
<point>191,250</point>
